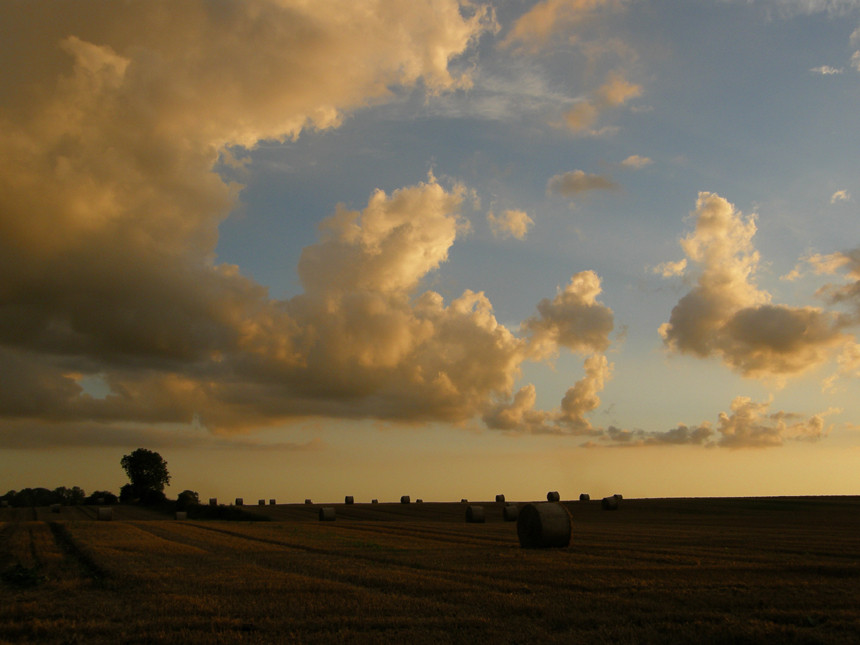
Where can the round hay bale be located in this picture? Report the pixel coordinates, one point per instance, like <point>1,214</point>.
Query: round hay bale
<point>510,512</point>
<point>404,499</point>
<point>475,514</point>
<point>55,508</point>
<point>374,501</point>
<point>349,499</point>
<point>307,501</point>
<point>609,503</point>
<point>181,515</point>
<point>213,501</point>
<point>327,514</point>
<point>543,525</point>
<point>419,501</point>
<point>618,496</point>
<point>464,501</point>
<point>261,502</point>
<point>500,498</point>
<point>240,501</point>
<point>553,496</point>
<point>584,497</point>
<point>271,502</point>
<point>105,514</point>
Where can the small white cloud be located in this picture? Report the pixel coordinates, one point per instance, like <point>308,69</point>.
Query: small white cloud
<point>840,196</point>
<point>635,161</point>
<point>511,223</point>
<point>826,70</point>
<point>855,60</point>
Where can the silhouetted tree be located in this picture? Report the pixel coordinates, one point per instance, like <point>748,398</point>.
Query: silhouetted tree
<point>101,497</point>
<point>148,474</point>
<point>187,498</point>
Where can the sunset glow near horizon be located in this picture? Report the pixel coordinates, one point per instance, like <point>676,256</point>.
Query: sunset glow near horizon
<point>437,248</point>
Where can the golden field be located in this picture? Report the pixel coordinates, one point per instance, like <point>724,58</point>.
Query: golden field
<point>784,570</point>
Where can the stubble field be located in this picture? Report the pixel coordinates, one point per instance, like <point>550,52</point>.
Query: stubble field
<point>781,570</point>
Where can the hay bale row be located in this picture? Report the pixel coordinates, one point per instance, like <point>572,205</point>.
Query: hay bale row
<point>543,525</point>
<point>327,514</point>
<point>510,512</point>
<point>475,514</point>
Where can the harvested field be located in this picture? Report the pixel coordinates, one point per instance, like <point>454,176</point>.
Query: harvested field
<point>657,571</point>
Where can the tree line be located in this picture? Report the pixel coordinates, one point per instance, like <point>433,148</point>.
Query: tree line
<point>147,473</point>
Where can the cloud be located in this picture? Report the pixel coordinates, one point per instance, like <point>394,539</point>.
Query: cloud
<point>511,223</point>
<point>577,181</point>
<point>727,315</point>
<point>615,92</point>
<point>520,417</point>
<point>112,271</point>
<point>826,70</point>
<point>748,425</point>
<point>574,319</point>
<point>534,29</point>
<point>636,162</point>
<point>840,196</point>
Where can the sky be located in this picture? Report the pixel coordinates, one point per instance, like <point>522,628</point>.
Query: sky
<point>432,247</point>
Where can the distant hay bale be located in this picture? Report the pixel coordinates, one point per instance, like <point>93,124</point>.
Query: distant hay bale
<point>500,498</point>
<point>510,512</point>
<point>105,514</point>
<point>261,502</point>
<point>419,501</point>
<point>181,515</point>
<point>271,502</point>
<point>464,501</point>
<point>307,501</point>
<point>552,496</point>
<point>374,501</point>
<point>349,499</point>
<point>404,499</point>
<point>475,514</point>
<point>543,525</point>
<point>584,497</point>
<point>327,514</point>
<point>609,503</point>
<point>213,501</point>
<point>619,496</point>
<point>240,501</point>
<point>55,508</point>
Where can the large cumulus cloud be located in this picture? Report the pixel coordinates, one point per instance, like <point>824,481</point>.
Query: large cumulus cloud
<point>110,206</point>
<point>725,314</point>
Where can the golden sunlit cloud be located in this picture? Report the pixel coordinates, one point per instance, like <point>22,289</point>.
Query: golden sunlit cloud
<point>727,315</point>
<point>511,223</point>
<point>636,162</point>
<point>748,425</point>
